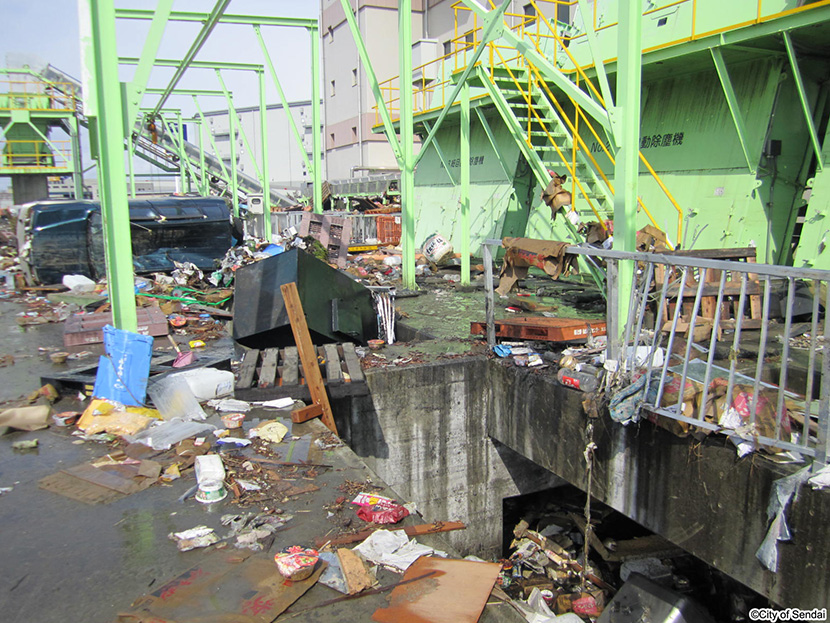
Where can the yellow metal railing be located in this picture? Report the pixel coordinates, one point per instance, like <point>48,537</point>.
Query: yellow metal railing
<point>35,154</point>
<point>430,93</point>
<point>37,96</point>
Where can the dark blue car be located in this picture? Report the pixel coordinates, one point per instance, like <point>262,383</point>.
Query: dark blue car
<point>57,238</point>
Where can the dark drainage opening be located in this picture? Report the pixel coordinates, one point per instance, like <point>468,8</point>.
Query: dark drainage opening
<point>618,549</point>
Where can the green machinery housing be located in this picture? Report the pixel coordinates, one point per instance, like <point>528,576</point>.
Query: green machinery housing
<point>733,126</point>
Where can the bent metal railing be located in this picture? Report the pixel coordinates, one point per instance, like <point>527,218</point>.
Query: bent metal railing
<point>699,323</point>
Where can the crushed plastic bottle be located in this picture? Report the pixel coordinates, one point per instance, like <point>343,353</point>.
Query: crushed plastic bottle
<point>582,381</point>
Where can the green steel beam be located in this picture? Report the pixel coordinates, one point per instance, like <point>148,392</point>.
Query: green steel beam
<point>585,9</point>
<point>465,184</point>
<point>316,114</point>
<point>776,26</point>
<point>207,28</point>
<point>440,153</point>
<point>407,143</point>
<point>204,183</point>
<point>627,166</point>
<point>232,119</point>
<point>197,92</point>
<point>388,128</point>
<point>77,158</point>
<point>802,95</point>
<point>148,53</point>
<point>493,28</point>
<point>492,138</point>
<point>130,156</point>
<point>732,102</point>
<point>184,161</point>
<point>549,70</point>
<point>169,62</point>
<point>193,16</point>
<point>212,142</point>
<point>263,131</point>
<point>99,56</point>
<point>284,100</point>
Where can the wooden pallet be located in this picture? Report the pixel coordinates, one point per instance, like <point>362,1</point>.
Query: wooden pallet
<point>543,329</point>
<point>83,379</point>
<point>277,373</point>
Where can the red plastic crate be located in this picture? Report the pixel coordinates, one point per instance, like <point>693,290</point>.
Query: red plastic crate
<point>389,228</point>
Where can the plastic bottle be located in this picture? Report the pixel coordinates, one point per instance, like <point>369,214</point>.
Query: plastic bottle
<point>582,381</point>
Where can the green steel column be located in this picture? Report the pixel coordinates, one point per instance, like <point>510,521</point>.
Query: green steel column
<point>232,131</point>
<point>130,164</point>
<point>407,147</point>
<point>266,185</point>
<point>465,184</point>
<point>184,179</point>
<point>110,138</point>
<point>285,106</point>
<point>204,183</point>
<point>734,108</point>
<point>626,170</point>
<point>316,147</point>
<point>77,158</point>
<point>802,95</point>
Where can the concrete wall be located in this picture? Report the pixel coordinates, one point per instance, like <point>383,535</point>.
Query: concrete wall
<point>423,429</point>
<point>429,432</point>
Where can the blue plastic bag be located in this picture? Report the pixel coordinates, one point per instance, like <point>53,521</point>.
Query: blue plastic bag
<point>125,369</point>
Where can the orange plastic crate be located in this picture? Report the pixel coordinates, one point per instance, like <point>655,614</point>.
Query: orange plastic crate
<point>389,228</point>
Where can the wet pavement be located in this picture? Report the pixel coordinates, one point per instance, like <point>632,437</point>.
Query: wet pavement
<point>64,560</point>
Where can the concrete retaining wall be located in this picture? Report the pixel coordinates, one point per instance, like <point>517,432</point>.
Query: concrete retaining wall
<point>458,437</point>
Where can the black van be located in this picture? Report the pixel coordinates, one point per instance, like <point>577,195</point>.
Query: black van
<point>57,238</point>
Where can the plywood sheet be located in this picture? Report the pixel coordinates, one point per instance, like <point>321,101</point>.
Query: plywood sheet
<point>450,591</point>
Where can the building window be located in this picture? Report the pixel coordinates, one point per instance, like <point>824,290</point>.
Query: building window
<point>530,10</point>
<point>332,89</point>
<point>447,47</point>
<point>331,35</point>
<point>331,136</point>
<point>354,77</point>
<point>354,132</point>
<point>470,39</point>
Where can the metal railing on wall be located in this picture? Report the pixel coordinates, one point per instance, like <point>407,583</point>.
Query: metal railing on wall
<point>694,327</point>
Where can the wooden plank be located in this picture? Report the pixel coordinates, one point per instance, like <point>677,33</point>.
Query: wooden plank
<point>333,372</point>
<point>298,416</point>
<point>308,355</point>
<point>731,288</point>
<point>268,374</point>
<point>352,363</point>
<point>247,369</point>
<point>355,572</point>
<point>290,364</point>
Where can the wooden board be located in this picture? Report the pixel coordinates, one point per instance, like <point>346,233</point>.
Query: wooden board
<point>342,375</point>
<point>247,368</point>
<point>352,363</point>
<point>79,490</point>
<point>543,329</point>
<point>441,591</point>
<point>290,373</point>
<point>268,374</point>
<point>308,354</point>
<point>355,572</point>
<point>333,372</point>
<point>413,531</point>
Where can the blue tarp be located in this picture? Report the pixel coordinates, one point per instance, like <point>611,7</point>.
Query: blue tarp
<point>125,369</point>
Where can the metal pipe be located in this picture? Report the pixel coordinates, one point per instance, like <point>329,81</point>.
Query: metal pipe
<point>811,365</point>
<point>782,378</point>
<point>713,341</point>
<point>672,332</point>
<point>762,346</point>
<point>690,338</point>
